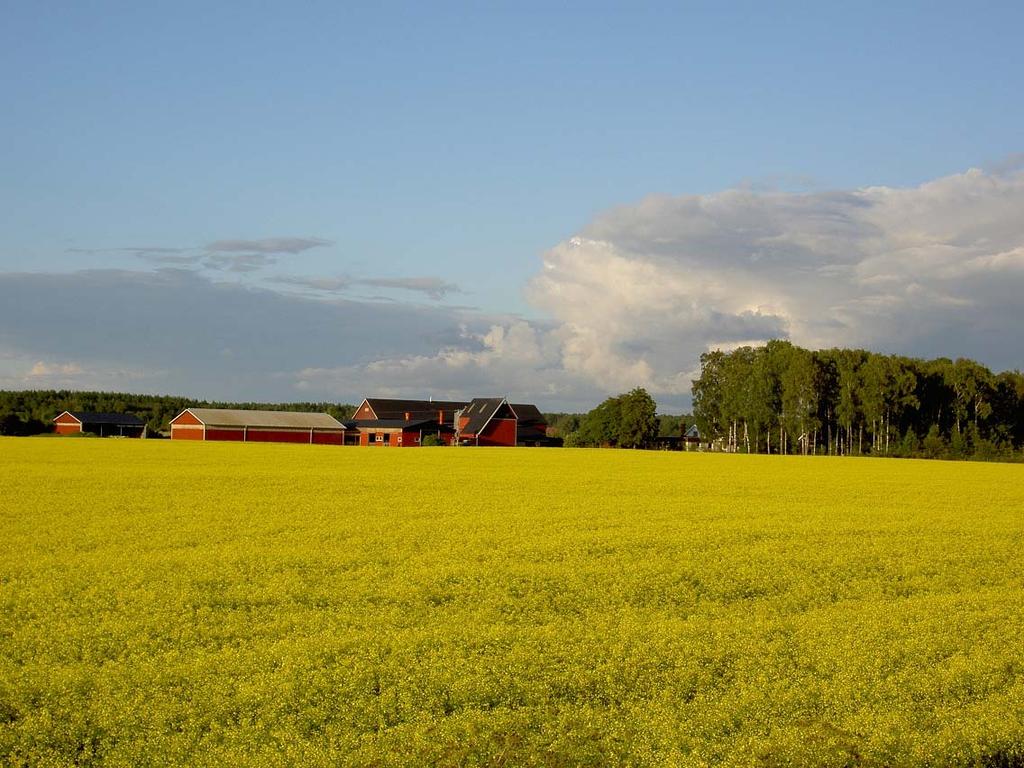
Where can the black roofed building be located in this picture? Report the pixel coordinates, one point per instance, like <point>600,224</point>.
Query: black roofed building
<point>442,411</point>
<point>532,427</point>
<point>483,421</point>
<point>386,422</point>
<point>102,424</point>
<point>488,421</point>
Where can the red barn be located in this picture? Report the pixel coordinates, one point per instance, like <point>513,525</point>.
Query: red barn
<point>246,426</point>
<point>404,423</point>
<point>488,421</point>
<point>102,424</point>
<point>531,426</point>
<point>384,421</point>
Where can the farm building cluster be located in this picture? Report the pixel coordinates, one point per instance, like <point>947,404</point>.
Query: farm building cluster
<point>382,422</point>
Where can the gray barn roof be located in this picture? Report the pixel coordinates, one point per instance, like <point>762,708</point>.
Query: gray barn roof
<point>232,417</point>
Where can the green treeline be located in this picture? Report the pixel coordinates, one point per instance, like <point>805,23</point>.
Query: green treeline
<point>32,412</point>
<point>781,398</point>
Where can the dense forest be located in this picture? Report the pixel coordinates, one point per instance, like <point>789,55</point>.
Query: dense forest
<point>32,412</point>
<point>781,398</point>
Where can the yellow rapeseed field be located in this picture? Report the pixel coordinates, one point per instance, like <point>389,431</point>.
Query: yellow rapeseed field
<point>221,604</point>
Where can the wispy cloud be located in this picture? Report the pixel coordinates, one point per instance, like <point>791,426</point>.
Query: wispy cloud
<point>238,262</point>
<point>221,255</point>
<point>323,284</point>
<point>252,255</point>
<point>434,287</point>
<point>47,370</point>
<point>268,245</point>
<point>142,251</point>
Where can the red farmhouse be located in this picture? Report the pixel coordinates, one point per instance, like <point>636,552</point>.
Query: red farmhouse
<point>404,423</point>
<point>487,421</point>
<point>257,426</point>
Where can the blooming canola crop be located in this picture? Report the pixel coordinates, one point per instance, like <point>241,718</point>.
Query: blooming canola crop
<point>167,603</point>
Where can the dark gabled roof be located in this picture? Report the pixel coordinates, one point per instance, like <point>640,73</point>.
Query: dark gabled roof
<point>116,419</point>
<point>396,424</point>
<point>479,412</point>
<point>527,413</point>
<point>693,432</point>
<point>387,408</point>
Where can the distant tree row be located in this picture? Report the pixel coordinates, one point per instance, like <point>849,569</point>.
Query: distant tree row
<point>565,424</point>
<point>32,412</point>
<point>781,398</point>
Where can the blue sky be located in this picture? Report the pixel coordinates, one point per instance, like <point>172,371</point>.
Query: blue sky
<point>405,149</point>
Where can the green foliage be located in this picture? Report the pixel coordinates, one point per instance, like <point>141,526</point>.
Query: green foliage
<point>781,398</point>
<point>911,445</point>
<point>600,427</point>
<point>638,420</point>
<point>562,424</point>
<point>959,446</point>
<point>935,445</point>
<point>213,604</point>
<point>627,421</point>
<point>431,441</point>
<point>573,440</point>
<point>670,425</point>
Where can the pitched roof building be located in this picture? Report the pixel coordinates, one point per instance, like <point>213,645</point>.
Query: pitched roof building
<point>488,421</point>
<point>257,426</point>
<point>387,421</point>
<point>102,424</point>
<point>382,421</point>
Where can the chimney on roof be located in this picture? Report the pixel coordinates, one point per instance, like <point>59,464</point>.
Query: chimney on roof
<point>407,416</point>
<point>440,417</point>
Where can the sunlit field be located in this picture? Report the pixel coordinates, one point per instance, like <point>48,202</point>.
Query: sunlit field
<point>224,604</point>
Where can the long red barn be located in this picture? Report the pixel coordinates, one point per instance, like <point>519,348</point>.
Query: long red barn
<point>247,426</point>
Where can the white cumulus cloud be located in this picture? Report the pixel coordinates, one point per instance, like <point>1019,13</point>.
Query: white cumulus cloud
<point>933,269</point>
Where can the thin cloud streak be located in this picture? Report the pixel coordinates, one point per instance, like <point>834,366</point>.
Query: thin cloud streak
<point>269,245</point>
<point>434,287</point>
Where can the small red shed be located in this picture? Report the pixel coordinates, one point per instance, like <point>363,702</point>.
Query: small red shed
<point>102,424</point>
